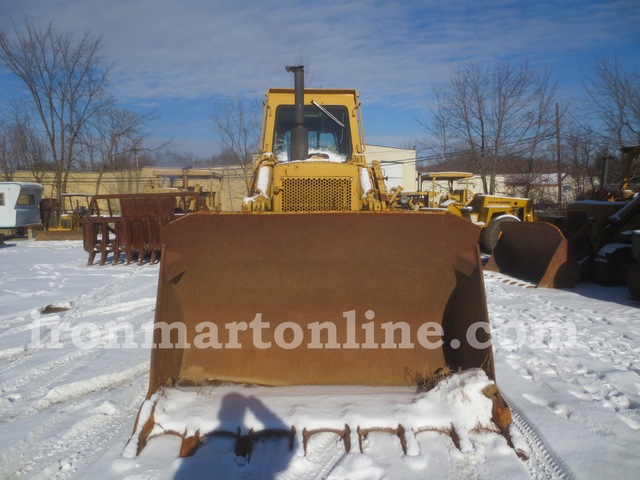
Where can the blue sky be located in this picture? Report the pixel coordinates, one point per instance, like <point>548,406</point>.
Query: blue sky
<point>175,58</point>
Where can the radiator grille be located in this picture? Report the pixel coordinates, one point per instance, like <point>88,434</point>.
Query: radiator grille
<point>304,194</point>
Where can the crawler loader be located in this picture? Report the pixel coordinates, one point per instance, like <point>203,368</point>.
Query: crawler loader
<point>307,286</point>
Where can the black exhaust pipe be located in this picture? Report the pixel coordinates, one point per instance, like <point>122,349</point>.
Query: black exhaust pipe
<point>299,133</point>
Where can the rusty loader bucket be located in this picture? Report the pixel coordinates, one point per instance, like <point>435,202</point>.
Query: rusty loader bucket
<point>536,252</point>
<point>278,299</point>
<point>301,299</point>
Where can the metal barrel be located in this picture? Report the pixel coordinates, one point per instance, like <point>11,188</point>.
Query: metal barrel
<point>536,252</point>
<point>318,298</point>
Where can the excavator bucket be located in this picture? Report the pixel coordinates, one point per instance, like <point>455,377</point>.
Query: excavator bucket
<point>537,252</point>
<point>327,298</point>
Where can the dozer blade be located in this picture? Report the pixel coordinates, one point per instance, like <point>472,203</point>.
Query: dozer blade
<point>360,298</point>
<point>536,252</point>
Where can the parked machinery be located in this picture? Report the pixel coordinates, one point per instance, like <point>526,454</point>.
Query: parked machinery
<point>596,242</point>
<point>67,220</point>
<point>317,240</point>
<point>487,211</point>
<point>131,224</point>
<point>205,182</point>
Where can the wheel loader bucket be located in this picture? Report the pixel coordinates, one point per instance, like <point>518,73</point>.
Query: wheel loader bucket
<point>536,252</point>
<point>318,298</point>
<point>283,299</point>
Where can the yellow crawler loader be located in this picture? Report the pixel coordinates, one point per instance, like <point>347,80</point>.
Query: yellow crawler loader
<point>308,287</point>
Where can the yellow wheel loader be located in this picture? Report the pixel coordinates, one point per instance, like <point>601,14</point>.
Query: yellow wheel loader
<point>519,246</point>
<point>307,291</point>
<point>487,211</point>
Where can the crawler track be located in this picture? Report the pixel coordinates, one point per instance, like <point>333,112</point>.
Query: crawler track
<point>543,463</point>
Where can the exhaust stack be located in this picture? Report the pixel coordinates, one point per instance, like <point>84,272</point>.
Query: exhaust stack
<point>299,133</point>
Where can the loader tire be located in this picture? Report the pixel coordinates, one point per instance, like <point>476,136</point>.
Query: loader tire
<point>491,233</point>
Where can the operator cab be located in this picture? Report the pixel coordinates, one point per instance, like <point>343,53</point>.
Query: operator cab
<point>328,131</point>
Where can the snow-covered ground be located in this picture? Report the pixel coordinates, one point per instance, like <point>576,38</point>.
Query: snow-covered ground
<point>71,384</point>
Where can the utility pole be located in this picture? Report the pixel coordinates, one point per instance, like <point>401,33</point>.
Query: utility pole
<point>558,155</point>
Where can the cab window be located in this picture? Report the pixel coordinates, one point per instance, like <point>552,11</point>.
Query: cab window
<point>325,134</point>
<point>26,199</point>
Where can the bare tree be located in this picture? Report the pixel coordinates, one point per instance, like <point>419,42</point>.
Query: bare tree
<point>7,161</point>
<point>614,94</point>
<point>309,74</point>
<point>237,121</point>
<point>111,140</point>
<point>21,148</point>
<point>65,78</point>
<point>99,141</point>
<point>583,152</point>
<point>224,158</point>
<point>492,116</point>
<point>30,148</point>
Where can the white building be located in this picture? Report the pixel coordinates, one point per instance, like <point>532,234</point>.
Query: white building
<point>398,165</point>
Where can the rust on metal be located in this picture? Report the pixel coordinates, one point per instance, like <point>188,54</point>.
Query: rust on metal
<point>536,252</point>
<point>336,290</point>
<point>244,443</point>
<point>449,432</point>
<point>343,433</point>
<point>190,445</point>
<point>131,224</point>
<point>399,432</point>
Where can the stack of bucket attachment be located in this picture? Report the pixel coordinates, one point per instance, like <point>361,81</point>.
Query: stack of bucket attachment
<point>132,223</point>
<point>323,298</point>
<point>536,252</point>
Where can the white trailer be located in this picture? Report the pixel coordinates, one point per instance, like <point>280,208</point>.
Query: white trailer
<point>19,204</point>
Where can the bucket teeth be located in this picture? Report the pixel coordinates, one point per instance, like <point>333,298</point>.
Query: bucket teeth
<point>344,434</point>
<point>190,445</point>
<point>244,443</point>
<point>450,432</point>
<point>398,431</point>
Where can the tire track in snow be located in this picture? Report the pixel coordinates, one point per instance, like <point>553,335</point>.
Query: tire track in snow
<point>324,455</point>
<point>61,365</point>
<point>18,319</point>
<point>45,382</point>
<point>77,311</point>
<point>19,402</point>
<point>65,445</point>
<point>24,325</point>
<point>56,369</point>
